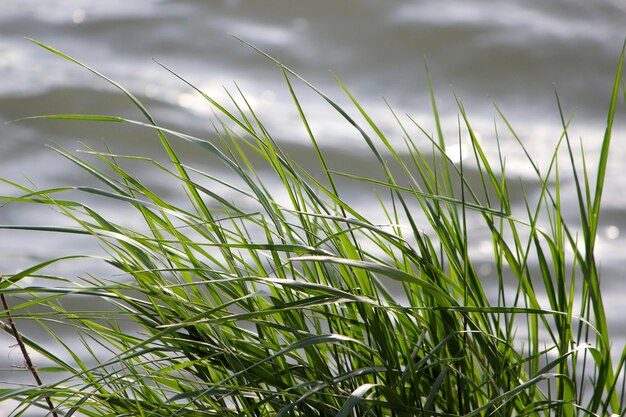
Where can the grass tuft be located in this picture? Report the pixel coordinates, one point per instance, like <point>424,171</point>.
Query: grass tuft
<point>290,301</point>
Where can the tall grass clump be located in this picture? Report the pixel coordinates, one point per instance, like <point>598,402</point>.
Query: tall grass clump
<point>251,300</point>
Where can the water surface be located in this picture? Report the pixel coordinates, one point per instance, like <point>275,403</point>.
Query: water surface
<point>514,53</point>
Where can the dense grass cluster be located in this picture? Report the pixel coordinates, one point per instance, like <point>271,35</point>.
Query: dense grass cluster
<point>251,306</point>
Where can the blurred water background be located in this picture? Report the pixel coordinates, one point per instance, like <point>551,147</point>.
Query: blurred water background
<point>511,52</point>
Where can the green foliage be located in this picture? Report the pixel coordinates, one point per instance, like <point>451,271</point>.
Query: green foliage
<point>279,302</point>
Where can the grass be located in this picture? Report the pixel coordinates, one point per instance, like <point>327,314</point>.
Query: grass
<point>257,304</point>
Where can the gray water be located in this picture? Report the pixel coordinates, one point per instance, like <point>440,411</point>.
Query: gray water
<point>514,53</point>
